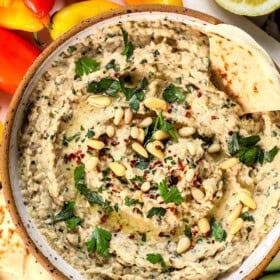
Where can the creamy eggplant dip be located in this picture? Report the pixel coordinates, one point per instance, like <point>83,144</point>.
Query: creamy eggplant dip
<point>133,165</point>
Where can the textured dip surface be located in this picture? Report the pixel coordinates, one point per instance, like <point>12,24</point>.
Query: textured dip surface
<point>133,165</point>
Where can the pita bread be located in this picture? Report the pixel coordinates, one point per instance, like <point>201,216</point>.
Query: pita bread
<point>15,261</point>
<point>243,69</point>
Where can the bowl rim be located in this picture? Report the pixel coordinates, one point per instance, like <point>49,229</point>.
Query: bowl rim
<point>10,118</point>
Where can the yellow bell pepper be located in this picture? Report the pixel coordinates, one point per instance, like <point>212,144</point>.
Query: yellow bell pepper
<point>163,2</point>
<point>76,13</point>
<point>15,15</point>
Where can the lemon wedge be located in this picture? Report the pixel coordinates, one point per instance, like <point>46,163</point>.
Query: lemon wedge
<point>250,7</point>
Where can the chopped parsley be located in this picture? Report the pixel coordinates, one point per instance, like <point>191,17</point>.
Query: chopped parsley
<point>112,65</point>
<point>73,222</point>
<point>217,231</point>
<point>92,197</point>
<point>131,202</point>
<point>67,140</point>
<point>90,133</point>
<point>170,195</point>
<point>157,258</point>
<point>128,47</point>
<point>108,86</point>
<point>173,94</point>
<point>86,65</point>
<point>188,231</point>
<point>99,242</point>
<point>245,216</point>
<point>156,211</point>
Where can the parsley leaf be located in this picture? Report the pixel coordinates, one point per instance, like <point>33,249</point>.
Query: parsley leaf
<point>157,258</point>
<point>73,222</point>
<point>173,94</point>
<point>270,155</point>
<point>130,202</point>
<point>249,155</point>
<point>86,65</point>
<point>128,47</point>
<point>233,144</point>
<point>92,197</point>
<point>188,231</point>
<point>156,211</point>
<point>247,217</point>
<point>106,85</point>
<point>217,231</point>
<point>66,213</point>
<point>112,65</point>
<point>99,242</point>
<point>172,195</point>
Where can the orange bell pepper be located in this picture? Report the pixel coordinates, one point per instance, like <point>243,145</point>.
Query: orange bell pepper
<point>15,15</point>
<point>75,13</point>
<point>16,55</point>
<point>165,2</point>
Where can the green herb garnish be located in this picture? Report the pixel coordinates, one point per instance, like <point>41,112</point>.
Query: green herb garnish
<point>112,65</point>
<point>173,94</point>
<point>73,222</point>
<point>270,155</point>
<point>99,242</point>
<point>108,86</point>
<point>217,231</point>
<point>66,213</point>
<point>188,231</point>
<point>131,202</point>
<point>156,211</point>
<point>247,217</point>
<point>128,47</point>
<point>170,195</point>
<point>85,66</point>
<point>157,258</point>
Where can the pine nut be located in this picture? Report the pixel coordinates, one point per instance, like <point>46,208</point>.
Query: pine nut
<point>154,103</point>
<point>146,122</point>
<point>161,135</point>
<point>197,194</point>
<point>154,148</point>
<point>214,148</point>
<point>183,245</point>
<point>110,131</point>
<point>128,116</point>
<point>236,226</point>
<point>203,226</point>
<point>229,163</point>
<point>118,116</point>
<point>234,214</point>
<point>100,101</point>
<point>95,144</point>
<point>139,149</point>
<point>92,163</point>
<point>145,187</point>
<point>134,132</point>
<point>141,135</point>
<point>186,131</point>
<point>247,200</point>
<point>117,168</point>
<point>191,148</point>
<point>190,174</point>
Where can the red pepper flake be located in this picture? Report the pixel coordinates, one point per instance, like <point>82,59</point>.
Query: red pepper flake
<point>192,244</point>
<point>199,94</point>
<point>161,234</point>
<point>77,156</point>
<point>90,149</point>
<point>213,118</point>
<point>169,110</point>
<point>131,236</point>
<point>188,107</point>
<point>126,141</point>
<point>116,75</point>
<point>188,114</point>
<point>158,147</point>
<point>173,231</point>
<point>181,166</point>
<point>119,229</point>
<point>115,191</point>
<point>133,163</point>
<point>230,133</point>
<point>103,219</point>
<point>115,143</point>
<point>136,187</point>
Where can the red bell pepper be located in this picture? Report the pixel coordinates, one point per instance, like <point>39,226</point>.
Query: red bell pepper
<point>40,8</point>
<point>16,55</point>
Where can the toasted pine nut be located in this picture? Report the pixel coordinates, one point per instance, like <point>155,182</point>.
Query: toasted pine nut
<point>95,144</point>
<point>139,149</point>
<point>154,103</point>
<point>91,163</point>
<point>234,214</point>
<point>191,148</point>
<point>247,200</point>
<point>118,116</point>
<point>183,244</point>
<point>117,168</point>
<point>110,131</point>
<point>197,194</point>
<point>100,101</point>
<point>214,148</point>
<point>186,131</point>
<point>134,132</point>
<point>236,226</point>
<point>229,163</point>
<point>145,187</point>
<point>190,174</point>
<point>203,226</point>
<point>141,135</point>
<point>154,148</point>
<point>161,135</point>
<point>146,122</point>
<point>128,116</point>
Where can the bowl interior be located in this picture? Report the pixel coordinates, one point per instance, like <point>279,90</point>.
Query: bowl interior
<point>246,268</point>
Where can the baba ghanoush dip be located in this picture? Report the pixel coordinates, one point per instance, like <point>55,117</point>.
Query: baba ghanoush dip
<point>133,165</point>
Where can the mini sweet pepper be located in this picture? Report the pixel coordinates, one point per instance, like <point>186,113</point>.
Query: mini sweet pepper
<point>40,8</point>
<point>16,55</point>
<point>163,2</point>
